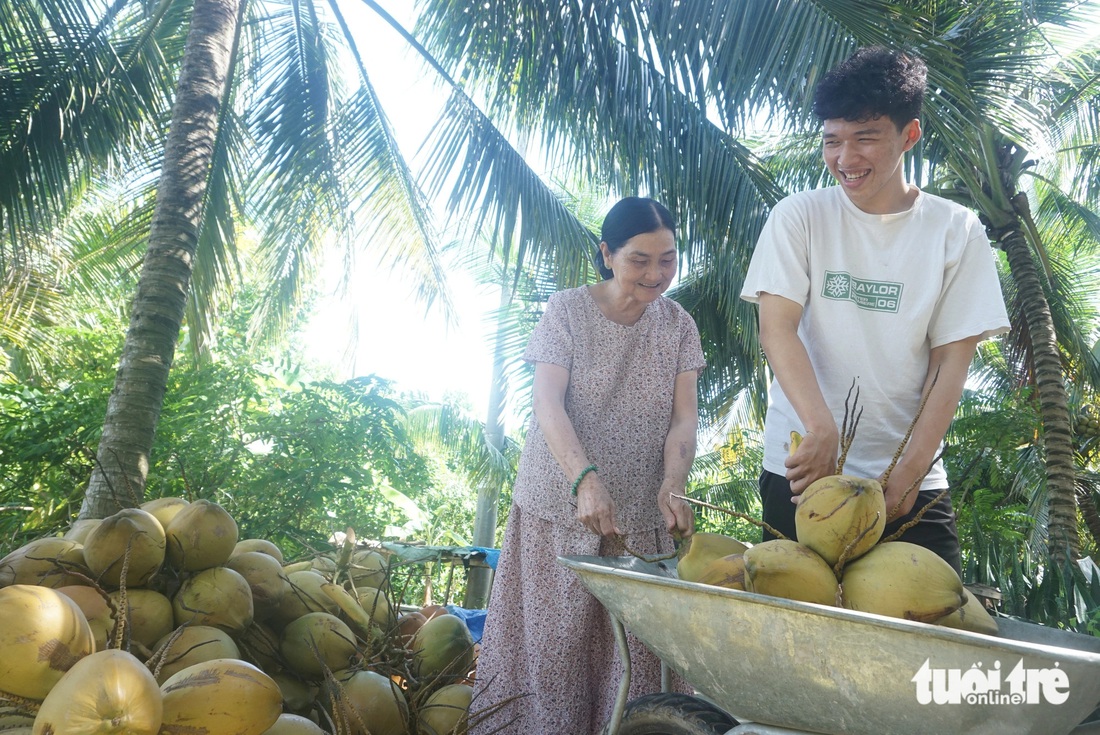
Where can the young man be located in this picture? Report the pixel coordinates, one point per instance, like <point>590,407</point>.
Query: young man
<point>874,282</point>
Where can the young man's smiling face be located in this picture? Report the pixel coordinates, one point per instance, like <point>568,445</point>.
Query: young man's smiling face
<point>865,157</point>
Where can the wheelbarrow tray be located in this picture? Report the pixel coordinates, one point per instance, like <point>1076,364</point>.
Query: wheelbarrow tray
<point>823,669</point>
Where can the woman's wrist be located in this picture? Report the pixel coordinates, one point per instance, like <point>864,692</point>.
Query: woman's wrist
<point>580,478</point>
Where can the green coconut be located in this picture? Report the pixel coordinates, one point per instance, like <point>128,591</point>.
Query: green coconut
<point>218,597</point>
<point>315,642</point>
<point>442,650</point>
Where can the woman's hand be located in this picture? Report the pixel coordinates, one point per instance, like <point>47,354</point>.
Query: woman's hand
<point>595,508</point>
<point>679,517</point>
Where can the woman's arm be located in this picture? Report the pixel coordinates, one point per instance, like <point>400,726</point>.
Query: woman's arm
<point>788,359</point>
<point>679,453</point>
<point>595,509</point>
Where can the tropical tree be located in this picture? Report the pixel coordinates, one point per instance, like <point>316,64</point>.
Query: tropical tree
<point>666,98</point>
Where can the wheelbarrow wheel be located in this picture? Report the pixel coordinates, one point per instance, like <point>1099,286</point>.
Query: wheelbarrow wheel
<point>672,714</point>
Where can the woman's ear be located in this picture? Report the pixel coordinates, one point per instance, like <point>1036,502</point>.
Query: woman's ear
<point>605,254</point>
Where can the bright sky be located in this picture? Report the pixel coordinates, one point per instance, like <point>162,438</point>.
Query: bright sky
<point>398,340</point>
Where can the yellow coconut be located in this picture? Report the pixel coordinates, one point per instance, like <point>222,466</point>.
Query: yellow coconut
<point>700,549</point>
<point>316,642</point>
<point>258,544</point>
<point>149,614</point>
<point>42,634</point>
<point>80,529</point>
<point>446,711</point>
<point>221,697</point>
<point>265,577</point>
<point>442,650</point>
<point>289,724</point>
<point>218,597</point>
<point>902,580</point>
<point>105,548</point>
<point>972,616</point>
<point>725,571</point>
<point>841,514</point>
<point>164,509</point>
<point>194,644</point>
<point>784,568</point>
<point>370,699</point>
<point>200,536</point>
<point>46,562</point>
<point>106,692</point>
<point>96,611</point>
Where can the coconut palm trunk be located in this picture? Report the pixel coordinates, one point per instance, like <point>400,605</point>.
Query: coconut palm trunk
<point>135,403</point>
<point>1053,400</point>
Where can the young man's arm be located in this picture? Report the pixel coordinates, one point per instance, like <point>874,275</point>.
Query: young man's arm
<point>952,362</point>
<point>788,359</point>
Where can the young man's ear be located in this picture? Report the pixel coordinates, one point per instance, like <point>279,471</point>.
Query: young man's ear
<point>912,133</point>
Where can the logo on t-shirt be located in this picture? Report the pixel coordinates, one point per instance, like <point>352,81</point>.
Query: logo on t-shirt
<point>871,295</point>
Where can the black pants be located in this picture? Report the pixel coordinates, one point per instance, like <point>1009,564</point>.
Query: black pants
<point>936,530</point>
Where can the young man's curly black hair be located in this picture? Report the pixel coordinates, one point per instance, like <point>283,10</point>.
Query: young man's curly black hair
<point>874,82</point>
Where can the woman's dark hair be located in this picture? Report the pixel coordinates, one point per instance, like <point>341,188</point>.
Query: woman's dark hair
<point>629,217</point>
<point>873,82</point>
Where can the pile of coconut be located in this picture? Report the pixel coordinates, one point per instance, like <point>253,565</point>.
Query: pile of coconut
<point>158,619</point>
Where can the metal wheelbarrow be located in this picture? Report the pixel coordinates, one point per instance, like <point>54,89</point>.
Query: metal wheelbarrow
<point>762,665</point>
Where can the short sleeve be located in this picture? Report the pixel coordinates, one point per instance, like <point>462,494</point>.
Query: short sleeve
<point>971,303</point>
<point>552,339</point>
<point>691,349</point>
<point>780,261</point>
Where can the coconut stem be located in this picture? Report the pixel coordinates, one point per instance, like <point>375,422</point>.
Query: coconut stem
<point>736,514</point>
<point>838,568</point>
<point>916,519</point>
<point>909,433</point>
<point>848,431</point>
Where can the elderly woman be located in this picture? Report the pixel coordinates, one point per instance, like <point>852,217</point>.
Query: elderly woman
<point>609,446</point>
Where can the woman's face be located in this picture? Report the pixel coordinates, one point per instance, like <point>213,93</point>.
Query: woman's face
<point>645,265</point>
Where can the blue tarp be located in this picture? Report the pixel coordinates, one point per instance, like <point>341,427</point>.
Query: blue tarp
<point>475,620</point>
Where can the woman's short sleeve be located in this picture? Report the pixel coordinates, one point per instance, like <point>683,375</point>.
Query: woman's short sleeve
<point>691,349</point>
<point>552,339</point>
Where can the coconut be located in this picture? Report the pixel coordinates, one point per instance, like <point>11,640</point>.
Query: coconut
<point>446,711</point>
<point>164,509</point>
<point>42,634</point>
<point>96,612</point>
<point>377,604</point>
<point>306,595</point>
<point>80,529</point>
<point>443,650</point>
<point>200,536</point>
<point>368,698</point>
<point>106,692</point>
<point>841,515</point>
<point>192,645</point>
<point>265,577</point>
<point>368,569</point>
<point>258,544</point>
<point>316,642</point>
<point>225,696</point>
<point>289,724</point>
<point>46,562</point>
<point>218,597</point>
<point>149,614</point>
<point>260,644</point>
<point>407,625</point>
<point>105,548</point>
<point>298,694</point>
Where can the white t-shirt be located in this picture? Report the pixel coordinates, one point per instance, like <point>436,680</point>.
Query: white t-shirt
<point>878,293</point>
